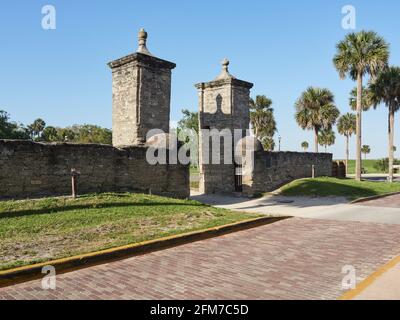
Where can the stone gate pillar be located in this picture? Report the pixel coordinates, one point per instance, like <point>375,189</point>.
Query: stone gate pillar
<point>223,107</point>
<point>141,95</point>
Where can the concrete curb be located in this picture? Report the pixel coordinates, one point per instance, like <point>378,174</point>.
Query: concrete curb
<point>374,197</point>
<point>32,272</point>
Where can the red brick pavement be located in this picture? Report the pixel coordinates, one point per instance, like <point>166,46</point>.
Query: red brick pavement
<point>391,201</point>
<point>290,259</point>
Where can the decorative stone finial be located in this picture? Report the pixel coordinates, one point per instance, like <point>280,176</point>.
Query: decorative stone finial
<point>225,72</point>
<point>142,42</point>
<point>225,64</point>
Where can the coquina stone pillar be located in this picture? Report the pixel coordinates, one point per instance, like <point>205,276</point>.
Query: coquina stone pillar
<point>141,86</point>
<point>223,107</point>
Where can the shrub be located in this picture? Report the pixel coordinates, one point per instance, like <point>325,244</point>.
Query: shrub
<point>382,165</point>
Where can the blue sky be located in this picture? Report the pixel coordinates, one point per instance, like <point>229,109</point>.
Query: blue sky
<point>281,46</point>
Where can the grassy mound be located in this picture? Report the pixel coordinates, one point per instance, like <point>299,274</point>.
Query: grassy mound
<point>349,188</point>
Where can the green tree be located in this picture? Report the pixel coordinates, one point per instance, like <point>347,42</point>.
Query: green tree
<point>190,120</point>
<point>326,138</point>
<point>360,54</point>
<point>65,135</point>
<point>188,132</point>
<point>268,143</point>
<point>315,110</point>
<point>386,89</point>
<point>347,127</point>
<point>382,165</point>
<point>88,133</point>
<point>11,130</point>
<point>50,134</point>
<point>305,145</point>
<point>36,128</point>
<point>366,100</point>
<point>263,121</point>
<point>365,149</point>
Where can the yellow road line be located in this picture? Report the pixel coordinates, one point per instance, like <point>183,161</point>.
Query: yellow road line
<point>349,295</point>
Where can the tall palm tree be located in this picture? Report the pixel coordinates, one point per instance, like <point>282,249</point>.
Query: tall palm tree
<point>360,54</point>
<point>347,126</point>
<point>263,121</point>
<point>326,138</point>
<point>386,89</point>
<point>366,149</point>
<point>315,110</point>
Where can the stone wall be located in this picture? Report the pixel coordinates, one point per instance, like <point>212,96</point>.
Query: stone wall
<point>274,169</point>
<point>30,169</point>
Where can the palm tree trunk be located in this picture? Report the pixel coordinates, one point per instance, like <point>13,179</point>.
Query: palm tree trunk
<point>347,154</point>
<point>391,139</point>
<point>358,135</point>
<point>316,139</point>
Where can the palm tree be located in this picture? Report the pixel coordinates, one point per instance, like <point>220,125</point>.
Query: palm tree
<point>305,145</point>
<point>315,110</point>
<point>386,89</point>
<point>37,127</point>
<point>263,121</point>
<point>366,100</point>
<point>326,138</point>
<point>360,54</point>
<point>346,127</point>
<point>365,150</point>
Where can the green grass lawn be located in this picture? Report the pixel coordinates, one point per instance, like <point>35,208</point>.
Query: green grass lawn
<point>349,188</point>
<point>194,170</point>
<point>34,231</point>
<point>194,178</point>
<point>366,164</point>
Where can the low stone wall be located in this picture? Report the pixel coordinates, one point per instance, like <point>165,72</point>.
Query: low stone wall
<point>274,169</point>
<point>29,169</point>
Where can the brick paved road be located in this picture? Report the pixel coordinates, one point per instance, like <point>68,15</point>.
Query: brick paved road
<point>291,259</point>
<point>391,202</point>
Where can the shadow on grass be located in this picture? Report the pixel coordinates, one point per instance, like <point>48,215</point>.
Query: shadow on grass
<point>55,210</point>
<point>328,188</point>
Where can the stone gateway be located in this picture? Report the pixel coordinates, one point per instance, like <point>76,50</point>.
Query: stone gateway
<point>224,105</point>
<point>141,93</point>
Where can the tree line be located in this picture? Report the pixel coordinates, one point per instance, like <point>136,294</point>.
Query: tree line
<point>38,131</point>
<point>360,55</point>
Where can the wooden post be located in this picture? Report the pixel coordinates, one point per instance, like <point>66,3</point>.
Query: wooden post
<point>74,182</point>
<point>313,171</point>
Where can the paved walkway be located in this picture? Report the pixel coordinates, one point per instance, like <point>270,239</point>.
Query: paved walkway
<point>291,259</point>
<point>376,177</point>
<point>386,202</point>
<point>385,210</point>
